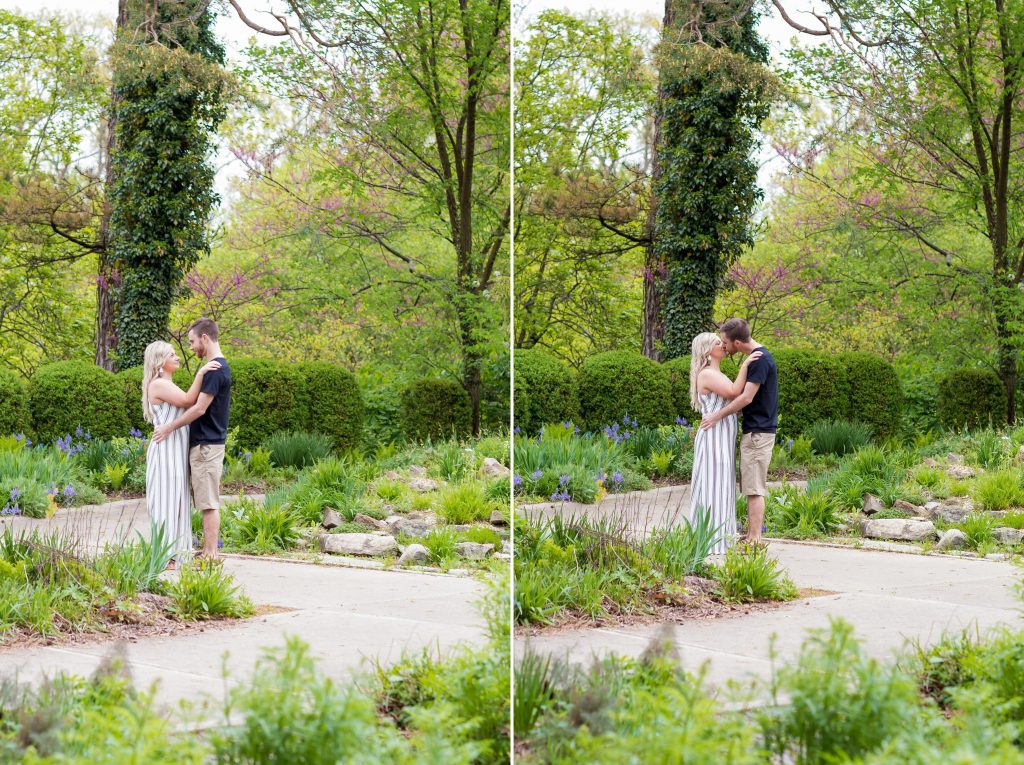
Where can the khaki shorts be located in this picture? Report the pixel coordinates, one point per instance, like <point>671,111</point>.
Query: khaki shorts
<point>206,462</point>
<point>755,456</point>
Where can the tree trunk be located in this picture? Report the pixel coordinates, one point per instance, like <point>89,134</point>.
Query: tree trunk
<point>106,272</point>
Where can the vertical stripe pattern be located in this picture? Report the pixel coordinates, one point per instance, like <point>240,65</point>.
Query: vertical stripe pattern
<point>713,489</point>
<point>167,488</point>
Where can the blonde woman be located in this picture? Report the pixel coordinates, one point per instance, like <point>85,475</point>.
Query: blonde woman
<point>167,486</point>
<point>713,489</point>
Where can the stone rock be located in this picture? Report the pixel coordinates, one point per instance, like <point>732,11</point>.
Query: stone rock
<point>930,506</point>
<point>1008,536</point>
<point>872,504</point>
<point>373,523</point>
<point>423,485</point>
<point>474,550</point>
<point>951,513</point>
<point>902,504</point>
<point>393,475</point>
<point>952,539</point>
<point>358,544</point>
<point>417,471</point>
<point>501,556</point>
<point>932,463</point>
<point>332,519</point>
<point>411,527</point>
<point>459,528</point>
<point>414,554</point>
<point>392,518</point>
<point>506,546</point>
<point>961,471</point>
<point>995,556</point>
<point>904,529</point>
<point>955,459</point>
<point>1020,454</point>
<point>498,518</point>
<point>493,469</point>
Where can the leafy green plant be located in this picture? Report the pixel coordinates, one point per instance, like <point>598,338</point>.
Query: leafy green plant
<point>802,514</point>
<point>991,449</point>
<point>440,543</point>
<point>978,527</point>
<point>454,462</point>
<point>463,503</point>
<point>662,461</point>
<point>207,591</point>
<point>114,475</point>
<point>747,574</point>
<point>136,567</point>
<point>482,535</point>
<point>534,690</point>
<point>681,551</point>
<point>838,437</point>
<point>260,463</point>
<point>999,490</point>
<point>297,449</point>
<point>260,527</point>
<point>929,477</point>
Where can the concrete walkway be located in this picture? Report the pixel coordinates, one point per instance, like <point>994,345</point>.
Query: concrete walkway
<point>890,598</point>
<point>346,615</point>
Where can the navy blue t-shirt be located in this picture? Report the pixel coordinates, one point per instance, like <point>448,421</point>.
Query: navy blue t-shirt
<point>212,427</point>
<point>762,414</point>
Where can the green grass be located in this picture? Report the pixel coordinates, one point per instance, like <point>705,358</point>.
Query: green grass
<point>977,527</point>
<point>838,437</point>
<point>748,574</point>
<point>463,503</point>
<point>998,490</point>
<point>297,449</point>
<point>204,591</point>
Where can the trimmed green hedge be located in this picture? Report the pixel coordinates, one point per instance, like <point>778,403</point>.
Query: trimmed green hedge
<point>812,387</point>
<point>971,398</point>
<point>69,394</point>
<point>678,370</point>
<point>14,416</point>
<point>613,384</point>
<point>873,392</point>
<point>333,403</point>
<point>266,397</point>
<point>545,390</point>
<point>435,409</point>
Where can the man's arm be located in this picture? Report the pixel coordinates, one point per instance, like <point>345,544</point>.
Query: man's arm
<point>749,391</point>
<point>194,412</point>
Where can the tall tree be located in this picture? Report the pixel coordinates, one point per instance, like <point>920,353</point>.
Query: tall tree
<point>932,91</point>
<point>170,89</point>
<point>713,93</point>
<point>411,101</point>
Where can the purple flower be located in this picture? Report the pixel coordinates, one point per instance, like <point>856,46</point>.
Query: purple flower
<point>682,421</point>
<point>247,457</point>
<point>69,492</point>
<point>563,480</point>
<point>562,495</point>
<point>536,474</point>
<point>15,493</point>
<point>79,432</point>
<point>789,443</point>
<point>517,480</point>
<point>517,430</point>
<point>617,476</point>
<point>19,437</point>
<point>11,510</point>
<point>135,433</point>
<point>567,424</point>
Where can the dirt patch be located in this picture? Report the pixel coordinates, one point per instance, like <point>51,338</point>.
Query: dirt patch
<point>149,620</point>
<point>698,604</point>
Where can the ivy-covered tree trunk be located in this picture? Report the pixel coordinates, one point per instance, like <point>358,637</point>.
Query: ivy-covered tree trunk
<point>714,94</point>
<point>170,88</point>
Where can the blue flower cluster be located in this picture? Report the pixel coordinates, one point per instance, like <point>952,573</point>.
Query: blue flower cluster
<point>135,433</point>
<point>19,437</point>
<point>11,507</point>
<point>563,490</point>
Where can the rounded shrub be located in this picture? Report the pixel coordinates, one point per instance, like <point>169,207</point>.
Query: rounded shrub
<point>971,398</point>
<point>334,404</point>
<point>678,371</point>
<point>14,417</point>
<point>873,394</point>
<point>545,390</point>
<point>812,387</point>
<point>69,394</point>
<point>614,384</point>
<point>266,397</point>
<point>435,409</point>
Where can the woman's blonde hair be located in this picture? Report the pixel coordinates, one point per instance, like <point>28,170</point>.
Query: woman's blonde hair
<point>153,361</point>
<point>700,355</point>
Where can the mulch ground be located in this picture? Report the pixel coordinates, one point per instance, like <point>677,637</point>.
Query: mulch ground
<point>149,620</point>
<point>698,604</point>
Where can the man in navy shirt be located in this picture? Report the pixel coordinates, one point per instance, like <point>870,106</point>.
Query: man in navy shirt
<point>208,421</point>
<point>759,403</point>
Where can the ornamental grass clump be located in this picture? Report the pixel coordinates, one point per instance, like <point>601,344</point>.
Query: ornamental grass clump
<point>999,490</point>
<point>747,574</point>
<point>838,437</point>
<point>464,503</point>
<point>802,514</point>
<point>259,527</point>
<point>297,449</point>
<point>205,591</point>
<point>978,528</point>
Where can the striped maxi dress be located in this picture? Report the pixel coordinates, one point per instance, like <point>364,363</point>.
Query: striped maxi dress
<point>713,488</point>
<point>168,497</point>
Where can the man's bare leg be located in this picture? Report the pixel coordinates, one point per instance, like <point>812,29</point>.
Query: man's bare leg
<point>755,518</point>
<point>211,533</point>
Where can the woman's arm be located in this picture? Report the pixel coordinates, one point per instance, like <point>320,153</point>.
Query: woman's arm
<point>713,381</point>
<point>162,389</point>
<point>192,395</point>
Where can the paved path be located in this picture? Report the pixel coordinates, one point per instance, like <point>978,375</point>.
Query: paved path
<point>346,615</point>
<point>888,597</point>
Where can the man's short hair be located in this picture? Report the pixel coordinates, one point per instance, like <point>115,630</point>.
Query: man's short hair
<point>736,330</point>
<point>205,327</point>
